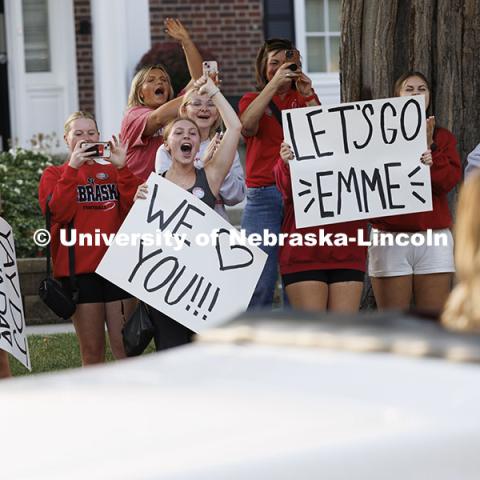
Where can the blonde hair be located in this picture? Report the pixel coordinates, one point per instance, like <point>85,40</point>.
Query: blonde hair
<point>134,99</point>
<point>187,99</point>
<point>75,116</point>
<point>462,310</point>
<point>169,126</point>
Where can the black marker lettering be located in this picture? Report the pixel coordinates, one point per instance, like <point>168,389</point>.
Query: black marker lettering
<point>342,109</point>
<point>382,123</point>
<point>323,212</point>
<point>391,186</point>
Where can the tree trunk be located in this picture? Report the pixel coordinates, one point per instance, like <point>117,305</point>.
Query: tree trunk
<point>440,38</point>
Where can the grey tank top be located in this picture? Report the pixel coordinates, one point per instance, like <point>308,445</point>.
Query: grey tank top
<point>201,188</point>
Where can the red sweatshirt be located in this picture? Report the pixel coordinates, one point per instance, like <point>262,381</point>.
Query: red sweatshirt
<point>95,197</point>
<point>445,174</point>
<point>294,259</point>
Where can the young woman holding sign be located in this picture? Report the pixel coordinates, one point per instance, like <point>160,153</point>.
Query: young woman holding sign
<point>424,272</point>
<point>282,85</point>
<point>319,277</point>
<point>182,142</point>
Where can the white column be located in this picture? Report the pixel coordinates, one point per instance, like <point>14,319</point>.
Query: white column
<point>121,29</point>
<point>139,38</point>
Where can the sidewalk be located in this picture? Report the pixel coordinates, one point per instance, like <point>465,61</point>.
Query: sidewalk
<point>50,329</point>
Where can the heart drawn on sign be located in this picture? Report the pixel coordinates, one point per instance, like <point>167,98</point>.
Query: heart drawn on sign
<point>231,256</point>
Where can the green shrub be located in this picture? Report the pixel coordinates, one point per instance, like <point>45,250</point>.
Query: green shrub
<point>20,172</point>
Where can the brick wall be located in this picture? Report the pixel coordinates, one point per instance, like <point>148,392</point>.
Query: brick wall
<point>232,30</point>
<point>83,36</point>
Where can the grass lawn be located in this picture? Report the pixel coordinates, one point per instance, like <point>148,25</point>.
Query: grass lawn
<point>55,352</point>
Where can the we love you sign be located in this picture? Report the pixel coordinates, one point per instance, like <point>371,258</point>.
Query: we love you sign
<point>178,256</point>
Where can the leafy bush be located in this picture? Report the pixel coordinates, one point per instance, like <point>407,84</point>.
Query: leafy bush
<point>20,172</point>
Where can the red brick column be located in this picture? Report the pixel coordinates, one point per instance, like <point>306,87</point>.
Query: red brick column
<point>83,37</point>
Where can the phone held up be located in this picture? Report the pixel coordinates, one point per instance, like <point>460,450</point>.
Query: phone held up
<point>211,68</point>
<point>101,149</point>
<point>293,56</point>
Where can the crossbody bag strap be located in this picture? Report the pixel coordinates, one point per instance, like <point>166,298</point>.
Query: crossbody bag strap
<point>71,252</point>
<point>276,112</point>
<point>71,265</point>
<point>47,226</point>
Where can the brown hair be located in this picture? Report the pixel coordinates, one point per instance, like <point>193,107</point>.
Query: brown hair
<point>187,99</point>
<point>134,99</point>
<point>75,116</point>
<point>271,45</point>
<point>412,73</point>
<point>462,310</point>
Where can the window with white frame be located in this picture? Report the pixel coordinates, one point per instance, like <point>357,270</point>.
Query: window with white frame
<point>317,26</point>
<point>36,36</point>
<point>322,32</point>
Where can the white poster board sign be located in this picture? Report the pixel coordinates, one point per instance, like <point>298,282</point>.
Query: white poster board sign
<point>358,160</point>
<point>12,320</point>
<point>183,262</point>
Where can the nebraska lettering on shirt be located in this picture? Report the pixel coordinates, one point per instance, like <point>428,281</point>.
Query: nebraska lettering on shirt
<point>97,193</point>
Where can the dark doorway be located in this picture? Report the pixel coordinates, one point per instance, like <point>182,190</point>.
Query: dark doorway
<point>279,19</point>
<point>4,106</point>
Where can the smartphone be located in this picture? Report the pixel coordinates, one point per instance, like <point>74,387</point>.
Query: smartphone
<point>293,56</point>
<point>101,149</point>
<point>210,67</point>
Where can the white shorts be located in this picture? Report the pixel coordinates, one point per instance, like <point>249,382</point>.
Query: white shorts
<point>411,258</point>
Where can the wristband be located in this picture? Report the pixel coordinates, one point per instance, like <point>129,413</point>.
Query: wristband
<point>312,96</point>
<point>214,93</point>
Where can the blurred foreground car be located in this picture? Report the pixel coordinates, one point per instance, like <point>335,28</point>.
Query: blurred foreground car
<point>379,396</point>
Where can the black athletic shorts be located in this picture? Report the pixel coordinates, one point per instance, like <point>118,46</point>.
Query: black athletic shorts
<point>326,276</point>
<point>95,289</point>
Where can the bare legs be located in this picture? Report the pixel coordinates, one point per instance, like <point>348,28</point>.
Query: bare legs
<point>429,291</point>
<point>4,365</point>
<point>314,296</point>
<point>89,321</point>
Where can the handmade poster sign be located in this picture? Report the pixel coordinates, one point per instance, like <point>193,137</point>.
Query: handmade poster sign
<point>12,321</point>
<point>358,160</point>
<point>179,257</point>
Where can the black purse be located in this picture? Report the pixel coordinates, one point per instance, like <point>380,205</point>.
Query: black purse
<point>138,331</point>
<point>52,292</point>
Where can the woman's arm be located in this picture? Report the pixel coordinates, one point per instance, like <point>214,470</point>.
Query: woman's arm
<point>159,117</point>
<point>61,186</point>
<point>163,160</point>
<point>163,114</point>
<point>253,113</point>
<point>445,170</point>
<point>176,30</point>
<point>233,188</point>
<point>221,162</point>
<point>282,172</point>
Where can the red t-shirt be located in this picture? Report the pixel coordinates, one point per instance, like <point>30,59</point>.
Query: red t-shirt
<point>94,197</point>
<point>263,148</point>
<point>295,258</point>
<point>141,150</point>
<point>445,173</point>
